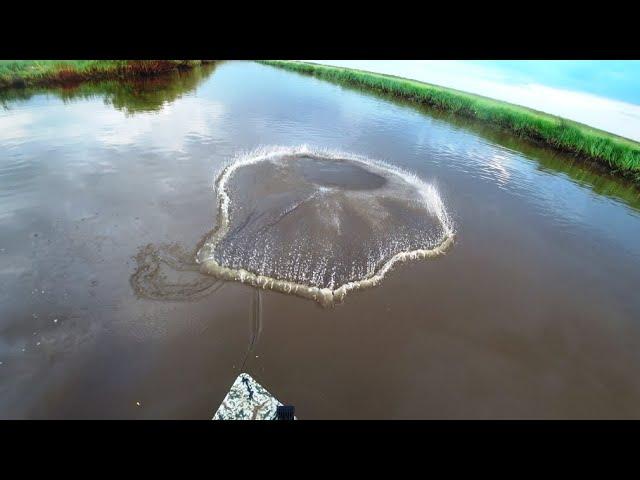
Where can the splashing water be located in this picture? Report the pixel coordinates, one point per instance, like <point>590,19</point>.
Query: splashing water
<point>318,223</point>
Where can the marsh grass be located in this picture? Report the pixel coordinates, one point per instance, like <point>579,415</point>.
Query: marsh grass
<point>129,94</point>
<point>620,155</point>
<point>29,73</point>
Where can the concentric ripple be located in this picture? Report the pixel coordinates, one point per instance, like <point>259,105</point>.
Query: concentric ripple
<point>319,224</point>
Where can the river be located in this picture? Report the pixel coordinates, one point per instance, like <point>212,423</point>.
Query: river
<point>107,193</point>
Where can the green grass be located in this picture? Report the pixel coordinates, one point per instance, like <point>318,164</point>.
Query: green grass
<point>620,155</point>
<point>130,94</point>
<point>28,73</point>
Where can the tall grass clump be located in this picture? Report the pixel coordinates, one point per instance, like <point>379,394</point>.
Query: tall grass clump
<point>29,73</point>
<point>619,154</point>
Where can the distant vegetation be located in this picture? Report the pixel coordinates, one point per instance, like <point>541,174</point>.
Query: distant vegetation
<point>128,94</point>
<point>31,73</point>
<point>620,155</point>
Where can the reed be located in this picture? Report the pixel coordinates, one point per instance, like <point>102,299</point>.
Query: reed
<point>29,73</point>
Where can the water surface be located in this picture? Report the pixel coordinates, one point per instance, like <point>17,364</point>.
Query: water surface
<point>107,195</point>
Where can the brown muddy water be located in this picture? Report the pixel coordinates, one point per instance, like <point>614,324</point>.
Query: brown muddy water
<point>110,211</point>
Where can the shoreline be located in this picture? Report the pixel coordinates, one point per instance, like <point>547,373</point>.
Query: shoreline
<point>43,73</point>
<point>619,155</point>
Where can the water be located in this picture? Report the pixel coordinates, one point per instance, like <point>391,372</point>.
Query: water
<point>108,195</point>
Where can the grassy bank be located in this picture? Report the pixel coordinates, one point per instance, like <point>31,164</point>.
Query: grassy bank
<point>130,95</point>
<point>620,155</point>
<point>32,73</point>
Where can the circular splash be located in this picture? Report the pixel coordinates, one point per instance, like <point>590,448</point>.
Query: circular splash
<point>319,224</point>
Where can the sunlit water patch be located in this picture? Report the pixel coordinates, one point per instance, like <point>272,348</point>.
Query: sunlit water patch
<point>319,224</point>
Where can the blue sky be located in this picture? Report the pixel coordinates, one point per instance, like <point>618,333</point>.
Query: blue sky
<point>615,79</point>
<point>604,94</point>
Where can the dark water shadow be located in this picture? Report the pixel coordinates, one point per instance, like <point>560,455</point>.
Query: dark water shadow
<point>589,174</point>
<point>130,96</point>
